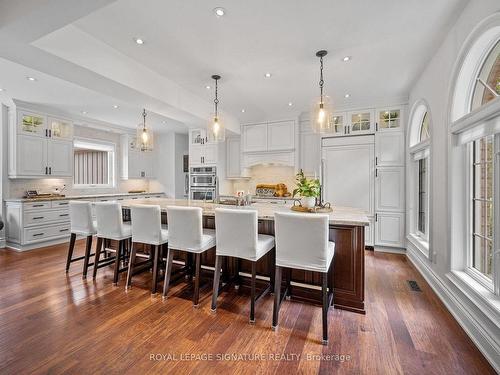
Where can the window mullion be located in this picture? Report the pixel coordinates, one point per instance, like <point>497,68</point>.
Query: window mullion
<point>496,216</point>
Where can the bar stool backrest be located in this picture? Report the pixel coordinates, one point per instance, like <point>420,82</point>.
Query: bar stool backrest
<point>146,223</point>
<point>236,232</point>
<point>80,215</point>
<point>301,240</point>
<point>184,227</point>
<point>109,220</point>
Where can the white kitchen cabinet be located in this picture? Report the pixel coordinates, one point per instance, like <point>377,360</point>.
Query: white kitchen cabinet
<point>233,158</point>
<point>361,122</point>
<point>254,137</point>
<point>389,149</point>
<point>310,153</point>
<point>196,156</point>
<point>60,157</point>
<point>370,232</point>
<point>59,128</point>
<point>389,189</point>
<point>31,123</point>
<point>389,119</point>
<point>30,156</point>
<point>201,152</point>
<point>340,126</point>
<point>281,136</point>
<point>389,229</point>
<point>210,154</point>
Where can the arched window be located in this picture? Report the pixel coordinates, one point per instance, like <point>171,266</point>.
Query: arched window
<point>419,176</point>
<point>475,171</point>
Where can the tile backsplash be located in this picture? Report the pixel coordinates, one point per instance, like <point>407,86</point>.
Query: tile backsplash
<point>271,174</point>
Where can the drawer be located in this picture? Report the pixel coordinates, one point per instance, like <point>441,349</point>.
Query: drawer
<point>36,205</point>
<point>45,216</point>
<point>46,232</point>
<point>60,204</point>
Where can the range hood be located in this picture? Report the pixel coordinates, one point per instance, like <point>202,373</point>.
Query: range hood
<point>281,158</point>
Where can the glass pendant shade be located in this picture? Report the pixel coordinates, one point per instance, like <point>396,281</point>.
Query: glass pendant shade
<point>216,130</point>
<point>144,140</point>
<point>321,116</point>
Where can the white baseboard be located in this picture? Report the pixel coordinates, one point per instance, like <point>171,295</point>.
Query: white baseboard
<point>457,306</point>
<point>35,246</point>
<point>391,250</point>
<point>2,243</point>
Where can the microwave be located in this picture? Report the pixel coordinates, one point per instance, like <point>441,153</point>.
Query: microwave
<point>202,194</point>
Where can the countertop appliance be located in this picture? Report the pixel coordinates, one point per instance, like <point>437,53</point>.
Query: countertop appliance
<point>203,183</point>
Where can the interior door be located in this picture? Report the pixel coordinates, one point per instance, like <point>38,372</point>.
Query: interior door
<point>349,172</point>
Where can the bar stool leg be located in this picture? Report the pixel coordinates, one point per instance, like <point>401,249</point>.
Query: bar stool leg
<point>215,291</point>
<point>325,308</point>
<point>97,256</point>
<point>119,251</point>
<point>155,269</point>
<point>252,297</point>
<point>168,272</point>
<point>196,294</point>
<point>130,266</point>
<point>272,264</point>
<point>88,249</point>
<point>277,297</point>
<point>70,250</point>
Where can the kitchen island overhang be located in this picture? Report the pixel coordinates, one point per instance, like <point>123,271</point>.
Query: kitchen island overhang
<point>346,229</point>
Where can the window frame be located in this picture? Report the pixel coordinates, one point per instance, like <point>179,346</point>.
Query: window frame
<point>417,151</point>
<point>98,145</point>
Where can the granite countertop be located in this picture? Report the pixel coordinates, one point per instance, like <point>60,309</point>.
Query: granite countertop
<point>339,216</point>
<point>84,196</point>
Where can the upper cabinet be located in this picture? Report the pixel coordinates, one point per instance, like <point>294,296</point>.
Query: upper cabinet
<point>233,158</point>
<point>39,145</point>
<point>389,119</point>
<point>361,122</point>
<point>269,136</point>
<point>201,151</point>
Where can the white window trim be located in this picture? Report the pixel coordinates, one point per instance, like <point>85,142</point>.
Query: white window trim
<point>95,144</point>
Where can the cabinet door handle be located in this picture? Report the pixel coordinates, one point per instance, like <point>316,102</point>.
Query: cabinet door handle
<point>376,160</point>
<point>38,234</point>
<point>376,172</point>
<point>376,126</point>
<point>46,170</point>
<point>63,230</point>
<point>46,131</point>
<point>64,215</point>
<point>376,217</point>
<point>38,217</point>
<point>50,133</point>
<point>38,205</point>
<point>50,170</point>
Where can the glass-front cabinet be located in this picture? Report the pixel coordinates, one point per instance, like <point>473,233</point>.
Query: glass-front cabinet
<point>59,128</point>
<point>361,122</point>
<point>339,124</point>
<point>31,124</point>
<point>389,119</point>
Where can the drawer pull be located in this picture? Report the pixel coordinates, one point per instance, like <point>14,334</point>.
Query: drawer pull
<point>38,217</point>
<point>38,205</point>
<point>63,230</point>
<point>64,215</point>
<point>38,234</point>
<point>62,204</point>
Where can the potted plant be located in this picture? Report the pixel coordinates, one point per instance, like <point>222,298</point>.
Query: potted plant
<point>308,189</point>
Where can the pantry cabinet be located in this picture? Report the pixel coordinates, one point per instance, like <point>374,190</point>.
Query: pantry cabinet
<point>233,158</point>
<point>135,163</point>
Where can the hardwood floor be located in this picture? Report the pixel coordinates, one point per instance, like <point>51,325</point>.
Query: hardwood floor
<point>52,322</point>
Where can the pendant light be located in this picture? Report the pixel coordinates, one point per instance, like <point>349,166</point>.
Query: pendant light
<point>321,113</point>
<point>144,135</point>
<point>216,130</point>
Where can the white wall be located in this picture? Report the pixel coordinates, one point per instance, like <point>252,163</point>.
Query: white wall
<point>434,86</point>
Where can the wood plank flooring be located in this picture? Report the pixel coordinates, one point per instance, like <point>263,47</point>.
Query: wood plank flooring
<point>52,322</point>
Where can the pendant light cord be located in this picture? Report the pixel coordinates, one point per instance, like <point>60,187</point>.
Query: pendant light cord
<point>144,119</point>
<point>216,100</point>
<point>321,82</point>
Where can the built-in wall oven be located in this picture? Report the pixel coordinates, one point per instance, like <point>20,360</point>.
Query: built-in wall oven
<point>203,183</point>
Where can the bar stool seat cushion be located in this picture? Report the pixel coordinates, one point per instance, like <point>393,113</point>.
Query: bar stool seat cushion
<point>264,244</point>
<point>313,266</point>
<point>207,242</point>
<point>126,233</point>
<point>92,232</point>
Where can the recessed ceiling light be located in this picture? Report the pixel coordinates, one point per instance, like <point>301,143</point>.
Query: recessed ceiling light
<point>1,89</point>
<point>268,75</point>
<point>243,110</point>
<point>219,12</point>
<point>32,79</point>
<point>290,104</point>
<point>84,112</point>
<point>207,87</point>
<point>139,40</point>
<point>116,106</point>
<point>346,58</point>
<point>347,95</point>
<point>163,122</point>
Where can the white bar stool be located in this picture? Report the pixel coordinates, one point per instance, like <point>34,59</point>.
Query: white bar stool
<point>186,233</point>
<point>146,229</point>
<point>82,224</point>
<point>302,243</point>
<point>110,226</point>
<point>237,237</point>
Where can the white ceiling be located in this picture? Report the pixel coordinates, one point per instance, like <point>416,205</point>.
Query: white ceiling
<point>91,46</point>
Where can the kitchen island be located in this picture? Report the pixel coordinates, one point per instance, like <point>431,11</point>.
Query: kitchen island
<point>346,229</point>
